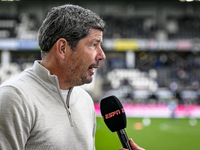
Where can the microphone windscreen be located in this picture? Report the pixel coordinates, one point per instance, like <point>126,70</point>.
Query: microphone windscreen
<point>113,113</point>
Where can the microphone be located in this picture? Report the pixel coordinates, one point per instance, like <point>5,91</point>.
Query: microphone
<point>114,117</point>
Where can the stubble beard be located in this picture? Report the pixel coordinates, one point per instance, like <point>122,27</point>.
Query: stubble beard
<point>85,79</point>
<point>76,80</point>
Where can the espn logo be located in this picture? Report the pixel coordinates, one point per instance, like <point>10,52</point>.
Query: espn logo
<point>112,114</point>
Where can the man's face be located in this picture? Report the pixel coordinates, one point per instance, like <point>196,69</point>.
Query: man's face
<point>82,62</point>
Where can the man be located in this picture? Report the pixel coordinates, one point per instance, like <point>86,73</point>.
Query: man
<point>42,108</point>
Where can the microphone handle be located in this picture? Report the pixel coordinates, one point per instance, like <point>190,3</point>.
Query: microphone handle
<point>124,139</point>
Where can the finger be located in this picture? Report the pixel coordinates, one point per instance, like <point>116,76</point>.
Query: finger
<point>134,145</point>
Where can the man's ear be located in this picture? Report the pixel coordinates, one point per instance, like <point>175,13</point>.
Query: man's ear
<point>62,48</point>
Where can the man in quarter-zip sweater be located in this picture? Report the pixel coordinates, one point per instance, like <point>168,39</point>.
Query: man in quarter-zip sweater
<point>43,108</point>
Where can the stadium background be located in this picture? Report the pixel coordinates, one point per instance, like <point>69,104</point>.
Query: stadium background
<point>152,65</point>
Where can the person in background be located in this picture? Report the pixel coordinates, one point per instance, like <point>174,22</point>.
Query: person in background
<point>173,103</point>
<point>43,107</point>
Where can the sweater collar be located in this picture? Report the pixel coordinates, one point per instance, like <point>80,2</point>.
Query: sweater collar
<point>44,73</point>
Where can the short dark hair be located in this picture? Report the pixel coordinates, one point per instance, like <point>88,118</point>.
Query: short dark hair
<point>71,22</point>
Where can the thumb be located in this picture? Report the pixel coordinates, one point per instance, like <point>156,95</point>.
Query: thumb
<point>134,145</point>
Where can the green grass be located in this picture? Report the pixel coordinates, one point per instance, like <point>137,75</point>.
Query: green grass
<point>161,134</point>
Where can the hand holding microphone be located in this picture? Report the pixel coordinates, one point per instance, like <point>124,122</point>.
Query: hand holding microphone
<point>134,146</point>
<point>114,117</point>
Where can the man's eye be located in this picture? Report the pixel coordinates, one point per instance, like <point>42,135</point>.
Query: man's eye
<point>94,45</point>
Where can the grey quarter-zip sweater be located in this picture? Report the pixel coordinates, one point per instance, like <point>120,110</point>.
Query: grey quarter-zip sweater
<point>34,116</point>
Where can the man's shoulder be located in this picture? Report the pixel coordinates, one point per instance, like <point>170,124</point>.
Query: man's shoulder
<point>20,78</point>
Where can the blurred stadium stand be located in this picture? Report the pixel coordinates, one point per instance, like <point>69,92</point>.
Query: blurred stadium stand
<point>152,48</point>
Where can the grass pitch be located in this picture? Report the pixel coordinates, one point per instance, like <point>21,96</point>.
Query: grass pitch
<point>153,134</point>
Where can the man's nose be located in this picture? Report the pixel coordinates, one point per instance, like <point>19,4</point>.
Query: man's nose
<point>101,54</point>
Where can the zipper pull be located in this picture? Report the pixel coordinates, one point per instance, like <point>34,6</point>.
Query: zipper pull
<point>70,118</point>
<point>69,111</point>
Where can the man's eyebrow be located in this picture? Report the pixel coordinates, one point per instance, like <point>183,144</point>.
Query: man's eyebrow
<point>96,40</point>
